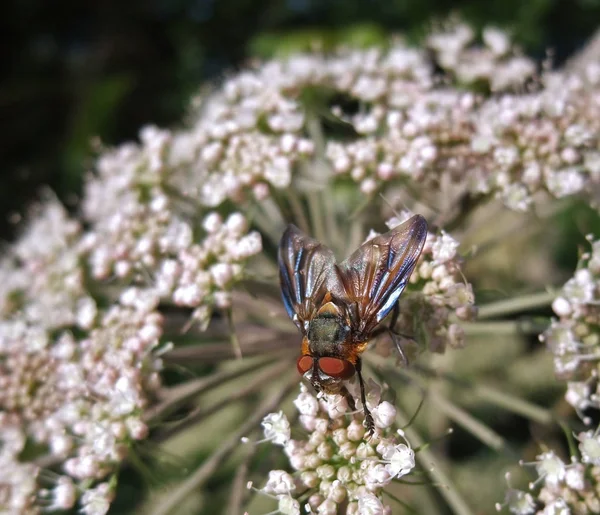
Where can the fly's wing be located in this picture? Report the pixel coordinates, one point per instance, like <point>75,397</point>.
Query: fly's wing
<point>307,271</point>
<point>375,275</point>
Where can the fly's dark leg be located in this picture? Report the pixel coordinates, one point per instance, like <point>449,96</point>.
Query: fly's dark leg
<point>368,417</point>
<point>396,336</point>
<point>349,398</point>
<point>395,315</point>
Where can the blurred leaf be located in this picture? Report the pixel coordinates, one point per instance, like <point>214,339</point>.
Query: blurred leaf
<point>280,44</point>
<point>94,114</point>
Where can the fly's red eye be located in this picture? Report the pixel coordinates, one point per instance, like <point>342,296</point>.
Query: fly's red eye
<point>304,364</point>
<point>336,367</point>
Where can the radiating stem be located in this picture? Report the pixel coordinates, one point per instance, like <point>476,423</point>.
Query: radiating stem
<point>355,236</point>
<point>315,207</point>
<point>235,342</point>
<point>251,386</point>
<point>428,461</point>
<point>217,352</point>
<point>266,224</point>
<point>460,210</point>
<point>501,399</point>
<point>238,487</point>
<point>316,216</point>
<point>227,446</point>
<point>407,507</point>
<point>513,404</point>
<point>478,429</point>
<point>268,311</point>
<point>177,396</point>
<point>297,210</point>
<point>504,328</point>
<point>516,304</point>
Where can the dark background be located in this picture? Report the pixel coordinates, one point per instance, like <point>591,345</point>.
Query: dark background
<point>73,70</point>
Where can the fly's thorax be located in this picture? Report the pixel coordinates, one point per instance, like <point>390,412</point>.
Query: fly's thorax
<point>328,331</point>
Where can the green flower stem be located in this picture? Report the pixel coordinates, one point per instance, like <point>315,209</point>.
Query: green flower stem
<point>334,235</point>
<point>218,352</point>
<point>235,342</point>
<point>516,304</point>
<point>251,385</point>
<point>315,131</point>
<point>460,209</point>
<point>521,228</point>
<point>238,488</point>
<point>513,404</point>
<point>260,287</point>
<point>488,393</point>
<point>291,194</point>
<point>193,483</point>
<point>524,228</point>
<point>407,507</point>
<point>316,215</point>
<point>314,197</point>
<point>505,328</point>
<point>501,399</point>
<point>275,217</point>
<point>173,398</point>
<point>269,312</point>
<point>355,236</point>
<point>477,428</point>
<point>429,463</point>
<point>260,218</point>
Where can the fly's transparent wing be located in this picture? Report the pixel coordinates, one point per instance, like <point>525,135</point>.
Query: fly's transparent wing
<point>375,275</point>
<point>307,271</point>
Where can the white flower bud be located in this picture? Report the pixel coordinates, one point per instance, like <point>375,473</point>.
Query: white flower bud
<point>384,415</point>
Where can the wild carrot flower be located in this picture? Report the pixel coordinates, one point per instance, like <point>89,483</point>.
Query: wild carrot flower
<point>173,265</point>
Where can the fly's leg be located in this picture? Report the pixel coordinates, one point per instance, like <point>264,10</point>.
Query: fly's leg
<point>368,417</point>
<point>349,398</point>
<point>395,336</point>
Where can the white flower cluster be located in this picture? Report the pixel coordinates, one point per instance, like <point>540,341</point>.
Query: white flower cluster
<point>337,464</point>
<point>561,488</point>
<point>436,298</point>
<point>251,135</point>
<point>408,126</point>
<point>574,338</point>
<point>147,226</point>
<point>75,376</point>
<point>41,277</point>
<point>541,140</point>
<point>495,63</point>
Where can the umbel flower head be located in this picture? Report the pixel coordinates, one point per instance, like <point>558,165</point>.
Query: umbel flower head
<point>171,225</point>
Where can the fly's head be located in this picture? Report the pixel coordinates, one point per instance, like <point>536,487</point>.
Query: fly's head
<point>326,374</point>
